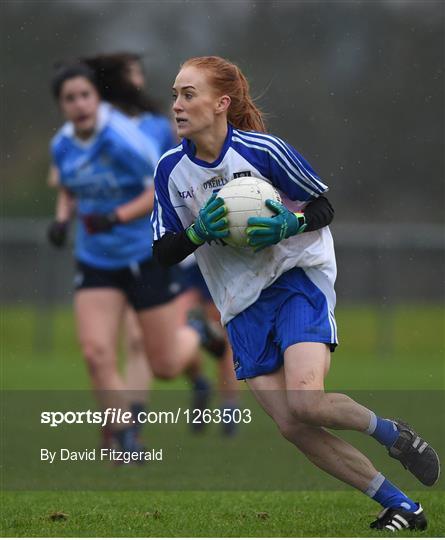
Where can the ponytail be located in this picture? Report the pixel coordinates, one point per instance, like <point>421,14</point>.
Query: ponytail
<point>228,79</point>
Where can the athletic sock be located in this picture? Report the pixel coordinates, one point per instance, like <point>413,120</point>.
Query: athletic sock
<point>229,428</point>
<point>383,430</point>
<point>136,408</point>
<point>381,490</point>
<point>201,383</point>
<point>127,439</point>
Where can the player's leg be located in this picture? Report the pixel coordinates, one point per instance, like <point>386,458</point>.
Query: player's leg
<point>326,451</point>
<point>306,366</point>
<point>228,386</point>
<point>137,372</point>
<point>335,456</point>
<point>171,350</point>
<point>98,317</point>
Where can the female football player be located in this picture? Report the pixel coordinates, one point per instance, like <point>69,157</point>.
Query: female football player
<point>277,299</point>
<point>104,161</point>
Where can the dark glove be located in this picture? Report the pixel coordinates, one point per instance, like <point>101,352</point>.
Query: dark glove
<point>264,232</point>
<point>96,223</point>
<point>57,233</point>
<point>211,222</point>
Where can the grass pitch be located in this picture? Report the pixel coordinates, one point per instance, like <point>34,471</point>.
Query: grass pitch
<point>398,350</point>
<point>191,514</point>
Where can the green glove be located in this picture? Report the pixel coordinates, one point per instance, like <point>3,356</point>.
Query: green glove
<point>211,223</point>
<point>264,232</point>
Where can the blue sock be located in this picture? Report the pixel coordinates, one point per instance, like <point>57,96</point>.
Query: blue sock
<point>382,491</point>
<point>201,384</point>
<point>136,408</point>
<point>127,439</point>
<point>384,431</point>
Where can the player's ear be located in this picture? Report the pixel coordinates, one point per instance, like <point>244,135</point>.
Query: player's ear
<point>223,104</point>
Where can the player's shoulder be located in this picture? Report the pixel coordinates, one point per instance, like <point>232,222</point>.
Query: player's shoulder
<point>169,160</point>
<point>256,146</point>
<point>62,137</point>
<point>261,139</point>
<point>116,122</point>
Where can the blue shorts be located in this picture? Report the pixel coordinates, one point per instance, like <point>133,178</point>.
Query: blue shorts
<point>292,310</point>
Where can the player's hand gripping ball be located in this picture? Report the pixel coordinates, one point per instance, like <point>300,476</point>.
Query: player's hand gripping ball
<point>246,198</point>
<point>265,232</point>
<point>211,223</point>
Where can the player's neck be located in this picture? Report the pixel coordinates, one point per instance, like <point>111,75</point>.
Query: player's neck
<point>210,143</point>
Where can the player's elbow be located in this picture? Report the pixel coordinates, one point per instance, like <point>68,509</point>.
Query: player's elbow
<point>330,212</point>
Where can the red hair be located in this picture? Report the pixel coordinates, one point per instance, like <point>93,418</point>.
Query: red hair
<point>228,79</point>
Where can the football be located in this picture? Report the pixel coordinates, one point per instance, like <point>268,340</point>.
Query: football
<point>244,198</point>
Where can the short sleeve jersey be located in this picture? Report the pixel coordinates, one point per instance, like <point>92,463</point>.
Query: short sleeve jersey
<point>103,173</point>
<point>236,276</point>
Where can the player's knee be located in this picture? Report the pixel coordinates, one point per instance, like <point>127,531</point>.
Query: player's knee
<point>97,355</point>
<point>306,411</point>
<point>164,370</point>
<point>291,429</point>
<point>288,430</point>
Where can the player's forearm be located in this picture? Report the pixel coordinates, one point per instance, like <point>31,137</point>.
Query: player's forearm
<point>138,207</point>
<point>318,214</point>
<point>53,178</point>
<point>173,248</point>
<point>65,206</point>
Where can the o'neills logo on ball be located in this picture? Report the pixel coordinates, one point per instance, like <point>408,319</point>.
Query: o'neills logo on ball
<point>215,182</point>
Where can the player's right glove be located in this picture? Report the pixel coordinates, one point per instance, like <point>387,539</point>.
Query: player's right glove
<point>57,233</point>
<point>265,232</point>
<point>211,223</point>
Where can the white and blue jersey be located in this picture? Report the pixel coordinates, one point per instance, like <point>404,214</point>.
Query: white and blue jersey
<point>268,300</point>
<point>108,170</point>
<point>236,276</point>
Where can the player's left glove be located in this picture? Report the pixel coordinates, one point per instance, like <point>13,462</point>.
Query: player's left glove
<point>264,232</point>
<point>96,223</point>
<point>57,233</point>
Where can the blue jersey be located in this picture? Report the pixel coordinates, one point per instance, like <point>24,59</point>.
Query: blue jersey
<point>103,173</point>
<point>236,276</point>
<point>159,129</point>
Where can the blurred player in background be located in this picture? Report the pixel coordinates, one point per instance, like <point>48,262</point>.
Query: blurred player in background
<point>104,162</point>
<point>120,78</point>
<point>276,300</point>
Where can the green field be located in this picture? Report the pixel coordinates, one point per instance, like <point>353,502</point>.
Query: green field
<point>401,349</point>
